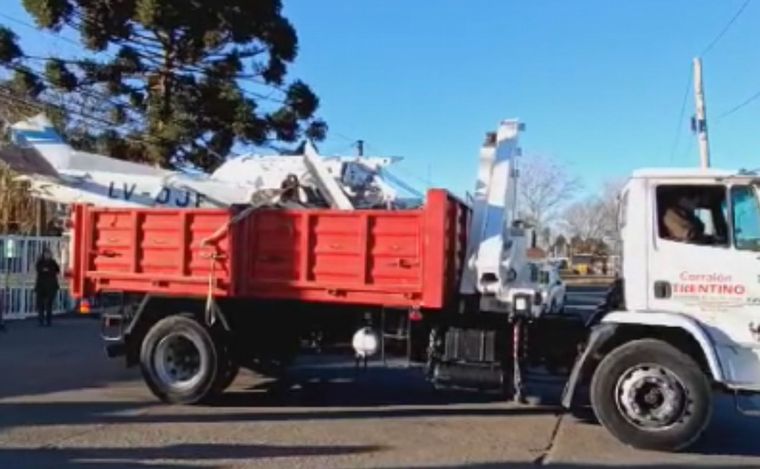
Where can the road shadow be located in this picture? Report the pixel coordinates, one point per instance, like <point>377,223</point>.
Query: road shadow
<point>342,384</point>
<point>345,385</point>
<point>727,434</point>
<point>330,393</point>
<point>15,415</point>
<point>523,465</point>
<point>335,414</point>
<point>27,414</point>
<point>67,356</point>
<point>156,457</point>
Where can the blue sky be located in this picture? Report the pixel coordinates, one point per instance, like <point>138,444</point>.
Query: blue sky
<point>599,83</point>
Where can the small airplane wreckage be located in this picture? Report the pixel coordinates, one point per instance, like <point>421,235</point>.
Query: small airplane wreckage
<point>57,172</point>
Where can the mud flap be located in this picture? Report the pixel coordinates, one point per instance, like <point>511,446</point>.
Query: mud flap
<point>599,335</point>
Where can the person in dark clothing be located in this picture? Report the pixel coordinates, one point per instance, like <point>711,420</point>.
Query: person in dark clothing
<point>46,286</point>
<point>290,189</point>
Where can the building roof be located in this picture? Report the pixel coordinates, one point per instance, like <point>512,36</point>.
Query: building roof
<point>536,253</point>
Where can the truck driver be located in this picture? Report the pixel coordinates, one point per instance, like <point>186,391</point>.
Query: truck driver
<point>679,220</point>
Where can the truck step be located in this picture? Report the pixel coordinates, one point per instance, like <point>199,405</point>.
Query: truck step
<point>473,376</point>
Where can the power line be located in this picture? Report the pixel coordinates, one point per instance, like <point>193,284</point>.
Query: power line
<point>344,137</point>
<point>740,105</point>
<point>714,42</point>
<point>407,173</point>
<point>91,94</point>
<point>103,124</point>
<point>188,67</point>
<point>98,123</point>
<point>725,28</point>
<point>239,76</point>
<point>752,97</point>
<point>9,95</point>
<point>681,115</point>
<point>38,29</point>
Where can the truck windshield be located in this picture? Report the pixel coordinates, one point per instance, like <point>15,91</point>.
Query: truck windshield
<point>746,218</point>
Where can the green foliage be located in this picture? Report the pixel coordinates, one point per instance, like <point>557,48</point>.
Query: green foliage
<point>48,13</point>
<point>9,50</point>
<point>60,76</point>
<point>25,82</point>
<point>177,81</point>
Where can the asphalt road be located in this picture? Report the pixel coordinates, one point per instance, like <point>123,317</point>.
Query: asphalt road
<point>63,404</point>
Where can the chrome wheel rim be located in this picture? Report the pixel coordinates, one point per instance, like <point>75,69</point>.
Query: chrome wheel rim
<point>178,361</point>
<point>652,397</point>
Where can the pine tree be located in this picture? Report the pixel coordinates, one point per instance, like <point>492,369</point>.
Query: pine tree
<point>175,81</point>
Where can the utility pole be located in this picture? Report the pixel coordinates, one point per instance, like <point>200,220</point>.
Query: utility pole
<point>699,122</point>
<point>360,147</point>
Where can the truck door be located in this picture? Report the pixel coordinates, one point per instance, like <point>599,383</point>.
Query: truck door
<point>705,262</point>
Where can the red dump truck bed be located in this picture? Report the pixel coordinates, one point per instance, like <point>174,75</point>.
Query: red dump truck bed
<point>404,258</point>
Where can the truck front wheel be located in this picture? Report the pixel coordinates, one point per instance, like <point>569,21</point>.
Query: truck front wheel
<point>650,395</point>
<point>179,360</point>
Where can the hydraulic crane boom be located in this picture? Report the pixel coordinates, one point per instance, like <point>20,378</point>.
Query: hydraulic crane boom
<point>497,245</point>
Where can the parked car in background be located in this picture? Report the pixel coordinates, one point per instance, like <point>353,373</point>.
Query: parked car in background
<point>562,263</point>
<point>552,288</point>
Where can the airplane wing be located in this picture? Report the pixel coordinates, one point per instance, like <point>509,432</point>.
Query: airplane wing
<point>26,161</point>
<point>59,191</point>
<point>61,174</point>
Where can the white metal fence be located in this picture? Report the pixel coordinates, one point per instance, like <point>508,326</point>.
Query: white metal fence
<point>18,258</point>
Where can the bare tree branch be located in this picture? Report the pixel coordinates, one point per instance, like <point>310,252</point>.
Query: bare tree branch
<point>545,186</point>
<point>595,217</point>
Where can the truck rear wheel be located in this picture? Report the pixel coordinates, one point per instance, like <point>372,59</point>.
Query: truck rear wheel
<point>650,395</point>
<point>228,371</point>
<point>179,360</point>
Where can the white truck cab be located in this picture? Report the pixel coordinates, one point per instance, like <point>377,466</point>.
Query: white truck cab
<point>710,281</point>
<point>689,319</point>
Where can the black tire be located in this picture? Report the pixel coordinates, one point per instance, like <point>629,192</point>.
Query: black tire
<point>197,341</point>
<point>656,362</point>
<point>228,371</point>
